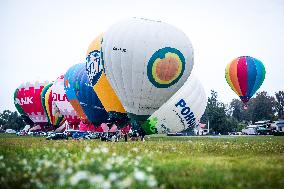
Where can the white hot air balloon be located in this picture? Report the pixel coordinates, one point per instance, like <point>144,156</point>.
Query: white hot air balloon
<point>63,104</point>
<point>182,111</point>
<point>146,62</point>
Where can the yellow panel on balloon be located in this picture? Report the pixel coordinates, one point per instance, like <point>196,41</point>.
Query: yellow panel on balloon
<point>107,95</point>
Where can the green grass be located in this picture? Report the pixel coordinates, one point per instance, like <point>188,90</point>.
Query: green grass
<point>160,162</point>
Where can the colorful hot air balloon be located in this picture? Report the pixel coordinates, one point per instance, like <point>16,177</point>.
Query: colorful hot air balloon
<point>21,111</point>
<point>86,96</point>
<point>98,80</point>
<point>101,85</point>
<point>55,118</point>
<point>245,75</point>
<point>182,111</point>
<point>69,78</point>
<point>63,104</point>
<point>29,99</point>
<point>146,62</point>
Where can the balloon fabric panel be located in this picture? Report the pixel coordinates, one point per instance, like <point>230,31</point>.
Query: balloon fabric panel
<point>242,75</point>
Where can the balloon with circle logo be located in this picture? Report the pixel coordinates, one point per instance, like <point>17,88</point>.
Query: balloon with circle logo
<point>181,112</point>
<point>245,75</point>
<point>101,85</point>
<point>55,118</point>
<point>29,99</point>
<point>63,104</point>
<point>146,62</point>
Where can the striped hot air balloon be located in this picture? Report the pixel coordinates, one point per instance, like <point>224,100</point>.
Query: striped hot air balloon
<point>245,75</point>
<point>54,116</point>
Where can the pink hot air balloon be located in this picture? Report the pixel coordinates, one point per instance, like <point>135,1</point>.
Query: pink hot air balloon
<point>28,97</point>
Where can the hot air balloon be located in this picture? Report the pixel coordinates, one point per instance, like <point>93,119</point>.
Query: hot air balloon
<point>146,62</point>
<point>89,102</point>
<point>182,111</point>
<point>101,85</point>
<point>69,78</point>
<point>55,118</point>
<point>64,106</point>
<point>29,99</point>
<point>21,111</point>
<point>245,75</point>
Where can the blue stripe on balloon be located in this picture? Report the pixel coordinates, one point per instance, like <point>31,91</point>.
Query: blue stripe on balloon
<point>89,100</point>
<point>259,76</point>
<point>70,93</point>
<point>252,72</point>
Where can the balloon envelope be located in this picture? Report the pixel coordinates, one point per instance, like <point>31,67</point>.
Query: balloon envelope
<point>63,104</point>
<point>86,96</point>
<point>29,99</point>
<point>182,111</point>
<point>245,75</point>
<point>55,118</point>
<point>20,109</point>
<point>146,62</point>
<point>98,79</point>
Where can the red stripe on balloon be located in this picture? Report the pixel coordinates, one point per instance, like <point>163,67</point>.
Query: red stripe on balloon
<point>242,75</point>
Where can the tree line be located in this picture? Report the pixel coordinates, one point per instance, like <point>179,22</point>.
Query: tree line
<point>224,118</point>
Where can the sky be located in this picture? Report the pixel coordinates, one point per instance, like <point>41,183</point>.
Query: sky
<point>41,39</point>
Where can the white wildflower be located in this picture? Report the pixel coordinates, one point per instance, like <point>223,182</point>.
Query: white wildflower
<point>104,150</point>
<point>106,185</point>
<point>80,175</point>
<point>149,169</point>
<point>97,179</point>
<point>135,149</point>
<point>47,163</point>
<point>87,149</point>
<point>139,175</point>
<point>125,183</point>
<point>151,181</point>
<point>108,166</point>
<point>1,157</point>
<point>112,176</point>
<point>69,170</point>
<point>96,151</point>
<point>24,162</point>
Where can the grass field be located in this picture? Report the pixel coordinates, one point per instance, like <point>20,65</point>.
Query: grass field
<point>160,162</point>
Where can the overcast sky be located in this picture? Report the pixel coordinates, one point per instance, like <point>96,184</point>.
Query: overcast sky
<point>40,40</point>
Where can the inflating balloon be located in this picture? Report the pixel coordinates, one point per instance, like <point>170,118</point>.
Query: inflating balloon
<point>98,80</point>
<point>55,118</point>
<point>245,75</point>
<point>146,62</point>
<point>69,85</point>
<point>101,85</point>
<point>182,111</point>
<point>21,111</point>
<point>86,96</point>
<point>29,99</point>
<point>63,104</point>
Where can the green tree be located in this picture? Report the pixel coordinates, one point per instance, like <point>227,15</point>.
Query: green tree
<point>216,114</point>
<point>279,104</point>
<point>11,120</point>
<point>262,107</point>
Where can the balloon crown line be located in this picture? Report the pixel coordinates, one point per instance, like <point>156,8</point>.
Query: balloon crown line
<point>36,84</point>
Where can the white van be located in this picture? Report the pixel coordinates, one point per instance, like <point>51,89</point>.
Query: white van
<point>10,131</point>
<point>250,130</point>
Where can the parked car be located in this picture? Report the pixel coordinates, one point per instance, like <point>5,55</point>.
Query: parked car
<point>250,130</point>
<point>10,131</point>
<point>70,132</point>
<point>57,136</point>
<point>22,133</point>
<point>81,135</point>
